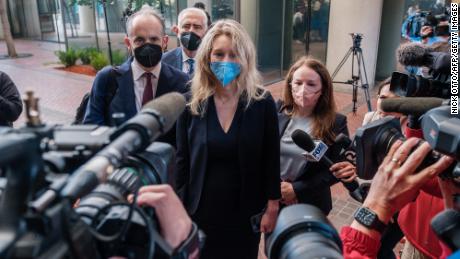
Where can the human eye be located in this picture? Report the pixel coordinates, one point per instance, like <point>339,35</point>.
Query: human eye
<point>139,40</point>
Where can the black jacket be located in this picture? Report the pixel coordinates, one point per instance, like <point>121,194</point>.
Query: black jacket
<point>10,101</point>
<point>313,184</point>
<point>258,157</point>
<point>124,100</point>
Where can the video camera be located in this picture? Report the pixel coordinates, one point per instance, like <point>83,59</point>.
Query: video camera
<point>303,231</point>
<point>426,18</point>
<point>46,170</point>
<point>357,38</point>
<point>440,129</point>
<point>434,84</point>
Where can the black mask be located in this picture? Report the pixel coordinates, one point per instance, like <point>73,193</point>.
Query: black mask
<point>148,55</point>
<point>190,40</point>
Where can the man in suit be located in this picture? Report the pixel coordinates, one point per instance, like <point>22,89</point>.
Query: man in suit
<point>192,25</point>
<point>139,79</point>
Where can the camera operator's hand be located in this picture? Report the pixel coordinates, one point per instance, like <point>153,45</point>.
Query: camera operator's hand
<point>174,221</point>
<point>268,222</point>
<point>288,195</point>
<point>344,171</point>
<point>396,182</point>
<point>426,31</point>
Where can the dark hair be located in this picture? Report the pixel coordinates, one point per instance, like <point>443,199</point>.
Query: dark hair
<point>199,5</point>
<point>145,10</point>
<point>325,109</point>
<point>385,82</point>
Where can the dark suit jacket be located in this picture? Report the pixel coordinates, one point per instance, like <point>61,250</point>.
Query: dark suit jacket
<point>124,101</point>
<point>258,157</point>
<point>313,184</point>
<point>10,101</point>
<point>173,58</point>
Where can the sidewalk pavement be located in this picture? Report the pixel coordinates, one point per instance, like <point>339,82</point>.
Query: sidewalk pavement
<point>60,94</point>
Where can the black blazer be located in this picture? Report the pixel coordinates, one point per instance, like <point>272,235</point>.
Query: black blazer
<point>258,156</point>
<point>313,184</point>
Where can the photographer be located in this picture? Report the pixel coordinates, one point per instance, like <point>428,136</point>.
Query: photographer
<point>395,185</point>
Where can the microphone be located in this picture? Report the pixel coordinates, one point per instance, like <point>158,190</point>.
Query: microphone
<point>317,152</point>
<point>417,54</point>
<point>414,54</point>
<point>156,118</point>
<point>416,106</point>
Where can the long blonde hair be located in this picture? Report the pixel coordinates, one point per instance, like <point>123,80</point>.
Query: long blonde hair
<point>249,82</point>
<point>325,109</point>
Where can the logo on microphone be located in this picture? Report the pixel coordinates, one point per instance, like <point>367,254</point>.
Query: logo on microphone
<point>316,154</point>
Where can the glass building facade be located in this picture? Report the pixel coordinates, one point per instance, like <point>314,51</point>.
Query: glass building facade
<point>282,30</point>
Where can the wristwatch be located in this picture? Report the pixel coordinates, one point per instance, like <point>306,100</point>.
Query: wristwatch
<point>369,219</point>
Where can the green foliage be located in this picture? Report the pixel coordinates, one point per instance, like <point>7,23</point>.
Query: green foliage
<point>67,58</point>
<point>87,54</point>
<point>98,61</point>
<point>118,57</point>
<point>80,2</point>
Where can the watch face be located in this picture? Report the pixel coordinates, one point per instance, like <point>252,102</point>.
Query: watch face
<point>365,216</point>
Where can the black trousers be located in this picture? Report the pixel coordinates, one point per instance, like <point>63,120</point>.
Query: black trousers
<point>230,243</point>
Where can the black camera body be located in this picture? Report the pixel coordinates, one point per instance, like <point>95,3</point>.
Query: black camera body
<point>417,86</point>
<point>37,166</point>
<point>440,129</point>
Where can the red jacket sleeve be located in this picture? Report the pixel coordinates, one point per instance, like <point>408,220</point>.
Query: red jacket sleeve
<point>357,244</point>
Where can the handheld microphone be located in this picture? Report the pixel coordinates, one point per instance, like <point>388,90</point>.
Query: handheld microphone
<point>156,118</point>
<point>305,142</point>
<point>416,106</point>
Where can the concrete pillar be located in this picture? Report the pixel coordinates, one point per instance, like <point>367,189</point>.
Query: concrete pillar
<point>362,16</point>
<point>86,17</point>
<point>32,23</point>
<point>249,17</point>
<point>390,37</point>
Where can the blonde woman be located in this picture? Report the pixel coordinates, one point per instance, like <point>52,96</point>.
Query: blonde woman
<point>228,148</point>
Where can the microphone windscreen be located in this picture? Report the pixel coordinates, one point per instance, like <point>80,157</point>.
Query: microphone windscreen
<point>168,106</point>
<point>411,105</point>
<point>303,140</point>
<point>414,54</point>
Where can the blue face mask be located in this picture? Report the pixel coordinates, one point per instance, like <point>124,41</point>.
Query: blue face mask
<point>225,71</point>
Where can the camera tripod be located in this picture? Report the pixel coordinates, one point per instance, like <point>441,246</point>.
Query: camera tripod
<point>356,76</point>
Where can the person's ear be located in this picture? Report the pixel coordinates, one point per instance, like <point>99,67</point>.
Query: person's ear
<point>128,44</point>
<point>164,43</point>
<point>175,29</point>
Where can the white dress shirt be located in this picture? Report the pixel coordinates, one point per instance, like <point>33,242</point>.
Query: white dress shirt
<point>140,81</point>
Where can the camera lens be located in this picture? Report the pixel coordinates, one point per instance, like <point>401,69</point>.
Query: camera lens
<point>302,231</point>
